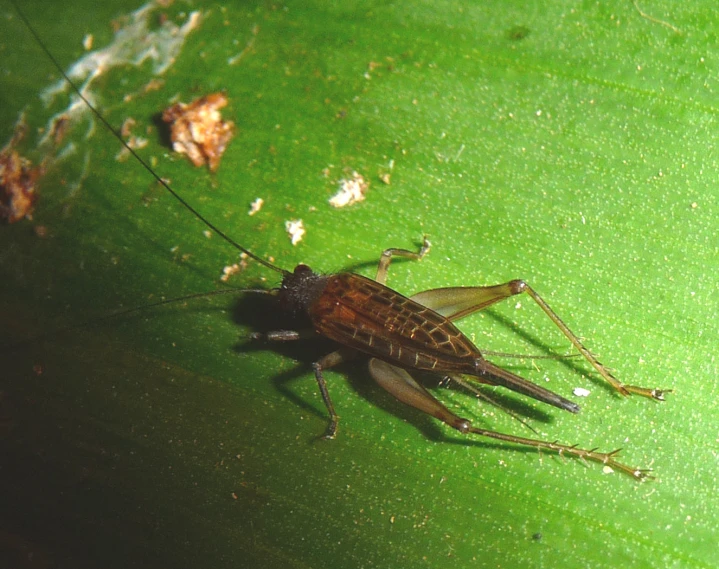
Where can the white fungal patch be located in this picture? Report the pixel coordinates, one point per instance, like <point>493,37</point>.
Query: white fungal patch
<point>134,43</point>
<point>581,392</point>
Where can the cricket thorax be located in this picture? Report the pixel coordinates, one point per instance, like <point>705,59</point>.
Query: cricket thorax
<point>300,289</point>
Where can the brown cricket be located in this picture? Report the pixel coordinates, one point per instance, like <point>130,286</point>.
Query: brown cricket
<point>404,334</point>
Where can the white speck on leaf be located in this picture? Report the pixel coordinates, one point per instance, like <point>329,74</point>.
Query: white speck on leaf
<point>256,206</point>
<point>295,229</point>
<point>351,191</point>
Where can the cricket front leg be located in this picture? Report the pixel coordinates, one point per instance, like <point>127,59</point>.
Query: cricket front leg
<point>457,302</point>
<point>284,335</point>
<point>326,362</point>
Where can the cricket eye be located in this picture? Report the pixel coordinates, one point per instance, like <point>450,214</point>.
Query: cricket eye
<point>302,270</point>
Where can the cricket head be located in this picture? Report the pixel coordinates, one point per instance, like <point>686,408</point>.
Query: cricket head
<point>300,289</point>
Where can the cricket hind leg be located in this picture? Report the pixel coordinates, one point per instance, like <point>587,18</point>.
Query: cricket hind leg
<point>387,255</point>
<point>403,387</point>
<point>457,302</point>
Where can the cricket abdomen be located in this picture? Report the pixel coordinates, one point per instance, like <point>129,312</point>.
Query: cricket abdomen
<point>367,316</point>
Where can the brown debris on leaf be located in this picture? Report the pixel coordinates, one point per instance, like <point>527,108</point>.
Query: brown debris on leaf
<point>197,129</point>
<point>59,129</point>
<point>17,185</point>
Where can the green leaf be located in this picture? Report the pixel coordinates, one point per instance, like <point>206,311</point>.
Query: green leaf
<point>571,146</point>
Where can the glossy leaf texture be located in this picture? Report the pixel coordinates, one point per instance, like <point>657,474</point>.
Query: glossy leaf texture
<point>571,145</point>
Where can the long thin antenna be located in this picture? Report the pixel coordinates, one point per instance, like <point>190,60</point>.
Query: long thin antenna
<point>147,167</point>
